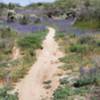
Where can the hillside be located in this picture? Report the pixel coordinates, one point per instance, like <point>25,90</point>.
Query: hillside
<point>50,51</point>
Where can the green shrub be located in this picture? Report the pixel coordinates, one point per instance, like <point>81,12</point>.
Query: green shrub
<point>78,48</point>
<point>30,42</point>
<point>6,95</point>
<point>81,90</point>
<point>7,33</point>
<point>2,45</point>
<point>87,24</point>
<point>24,20</point>
<point>11,17</point>
<point>11,6</point>
<point>62,93</point>
<point>2,74</point>
<point>71,58</point>
<point>84,82</point>
<point>98,43</point>
<point>37,21</point>
<point>64,81</point>
<point>97,79</point>
<point>72,35</point>
<point>19,72</point>
<point>86,40</point>
<point>60,35</point>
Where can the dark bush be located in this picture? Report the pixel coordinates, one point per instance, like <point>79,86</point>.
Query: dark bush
<point>11,6</point>
<point>10,17</point>
<point>37,21</point>
<point>24,20</point>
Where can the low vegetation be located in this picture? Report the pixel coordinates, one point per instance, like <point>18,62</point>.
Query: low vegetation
<point>5,94</point>
<point>88,24</point>
<point>81,80</point>
<point>11,69</point>
<point>81,68</point>
<point>28,46</point>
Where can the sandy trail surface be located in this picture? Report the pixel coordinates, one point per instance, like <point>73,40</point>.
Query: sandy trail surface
<point>15,53</point>
<point>44,69</point>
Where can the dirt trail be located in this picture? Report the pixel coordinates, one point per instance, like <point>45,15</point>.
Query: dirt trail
<point>45,68</point>
<point>15,53</point>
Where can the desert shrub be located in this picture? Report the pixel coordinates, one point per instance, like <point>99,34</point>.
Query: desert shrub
<point>9,49</point>
<point>27,46</point>
<point>88,77</point>
<point>2,74</point>
<point>18,73</point>
<point>72,35</point>
<point>61,35</point>
<point>2,5</point>
<point>78,48</point>
<point>71,61</point>
<point>71,58</point>
<point>31,52</point>
<point>7,41</point>
<point>24,20</point>
<point>81,90</point>
<point>29,42</point>
<point>62,93</point>
<point>95,93</point>
<point>10,17</point>
<point>98,43</point>
<point>21,66</point>
<point>63,81</point>
<point>2,44</point>
<point>6,95</point>
<point>87,24</point>
<point>97,78</point>
<point>11,6</point>
<point>84,82</point>
<point>7,33</point>
<point>33,41</point>
<point>86,40</point>
<point>65,92</point>
<point>37,21</point>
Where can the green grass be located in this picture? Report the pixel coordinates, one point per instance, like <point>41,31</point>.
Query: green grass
<point>69,93</point>
<point>27,45</point>
<point>89,24</point>
<point>62,93</point>
<point>78,48</point>
<point>79,52</point>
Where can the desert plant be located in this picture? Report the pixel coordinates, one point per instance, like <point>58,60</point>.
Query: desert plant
<point>78,48</point>
<point>62,93</point>
<point>84,81</point>
<point>6,95</point>
<point>24,20</point>
<point>86,40</point>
